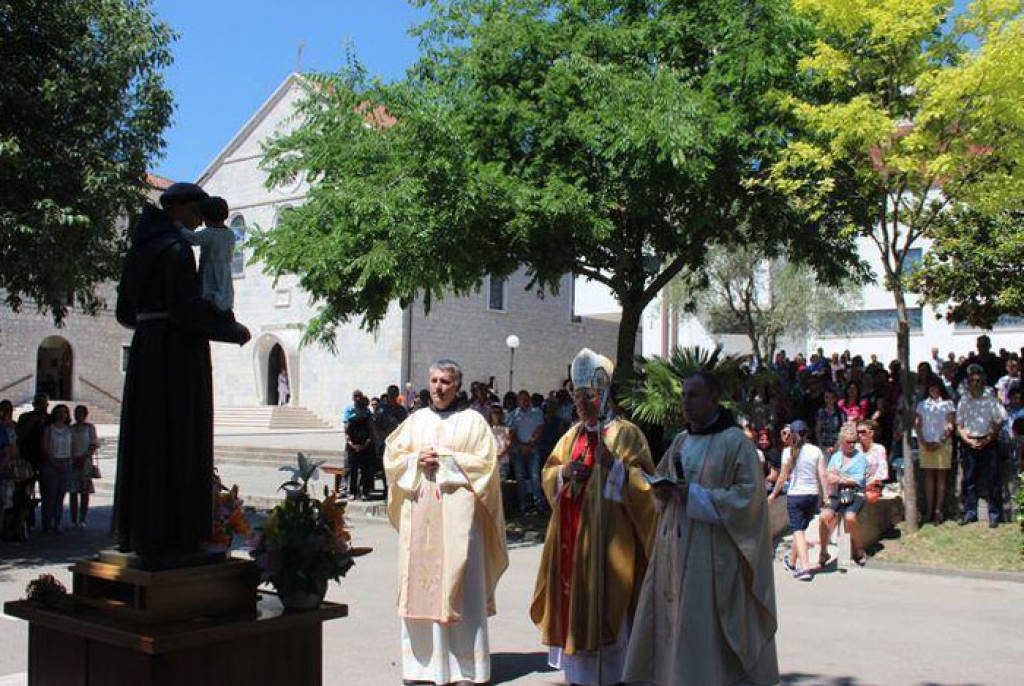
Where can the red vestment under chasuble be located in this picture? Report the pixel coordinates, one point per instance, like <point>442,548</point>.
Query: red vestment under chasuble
<point>565,600</point>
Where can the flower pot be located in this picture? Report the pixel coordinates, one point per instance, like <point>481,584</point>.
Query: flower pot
<point>298,599</point>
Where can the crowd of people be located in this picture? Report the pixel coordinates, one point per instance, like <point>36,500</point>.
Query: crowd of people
<point>45,460</point>
<point>965,409</point>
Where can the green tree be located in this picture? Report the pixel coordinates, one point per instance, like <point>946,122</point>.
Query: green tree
<point>613,140</point>
<point>82,111</point>
<point>909,110</point>
<point>767,298</point>
<point>973,269</point>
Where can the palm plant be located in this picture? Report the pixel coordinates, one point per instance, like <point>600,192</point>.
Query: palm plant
<point>657,397</point>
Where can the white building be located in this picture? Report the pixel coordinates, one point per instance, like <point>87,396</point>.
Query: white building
<point>472,330</point>
<point>869,329</point>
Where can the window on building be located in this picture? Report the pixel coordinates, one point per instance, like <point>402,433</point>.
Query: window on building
<point>871,321</point>
<point>497,292</point>
<point>576,319</point>
<point>1004,322</point>
<point>124,358</point>
<point>238,258</point>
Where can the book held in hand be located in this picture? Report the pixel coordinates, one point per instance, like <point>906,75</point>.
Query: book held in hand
<point>661,479</point>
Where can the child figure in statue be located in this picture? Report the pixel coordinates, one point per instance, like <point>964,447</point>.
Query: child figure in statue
<point>216,250</point>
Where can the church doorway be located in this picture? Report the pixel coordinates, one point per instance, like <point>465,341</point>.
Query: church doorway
<point>54,368</point>
<point>278,384</point>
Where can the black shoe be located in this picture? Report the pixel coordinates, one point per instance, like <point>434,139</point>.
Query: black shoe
<point>967,519</point>
<point>993,523</point>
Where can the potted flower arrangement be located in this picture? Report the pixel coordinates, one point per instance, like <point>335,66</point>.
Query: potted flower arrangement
<point>229,518</point>
<point>304,542</point>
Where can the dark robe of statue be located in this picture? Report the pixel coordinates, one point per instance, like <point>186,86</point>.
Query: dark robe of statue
<point>162,504</point>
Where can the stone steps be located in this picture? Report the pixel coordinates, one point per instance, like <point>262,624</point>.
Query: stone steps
<point>269,417</point>
<point>241,455</point>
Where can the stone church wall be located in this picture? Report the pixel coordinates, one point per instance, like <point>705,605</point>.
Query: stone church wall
<point>465,330</point>
<point>96,346</point>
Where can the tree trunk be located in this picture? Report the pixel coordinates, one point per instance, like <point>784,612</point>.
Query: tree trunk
<point>632,311</point>
<point>906,410</point>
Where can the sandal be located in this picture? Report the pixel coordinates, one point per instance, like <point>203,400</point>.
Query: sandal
<point>860,560</point>
<point>825,561</point>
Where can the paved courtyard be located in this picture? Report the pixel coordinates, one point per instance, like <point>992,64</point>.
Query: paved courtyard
<point>853,628</point>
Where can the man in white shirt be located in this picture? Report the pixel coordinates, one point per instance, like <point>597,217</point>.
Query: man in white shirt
<point>979,417</point>
<point>526,423</point>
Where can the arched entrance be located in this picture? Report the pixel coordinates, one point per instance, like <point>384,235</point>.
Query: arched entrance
<point>276,363</point>
<point>54,368</point>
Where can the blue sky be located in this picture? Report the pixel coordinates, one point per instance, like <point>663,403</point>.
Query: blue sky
<point>232,54</point>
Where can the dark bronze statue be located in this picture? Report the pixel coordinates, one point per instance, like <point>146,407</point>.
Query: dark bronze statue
<point>163,506</point>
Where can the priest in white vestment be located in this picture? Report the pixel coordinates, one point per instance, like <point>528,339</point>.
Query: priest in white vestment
<point>706,614</point>
<point>445,501</point>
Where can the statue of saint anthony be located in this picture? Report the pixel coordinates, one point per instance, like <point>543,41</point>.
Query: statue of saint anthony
<point>163,508</point>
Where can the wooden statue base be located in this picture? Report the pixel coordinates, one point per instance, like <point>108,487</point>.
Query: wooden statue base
<point>114,584</point>
<point>88,646</point>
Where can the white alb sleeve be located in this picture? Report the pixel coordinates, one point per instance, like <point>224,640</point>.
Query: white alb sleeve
<point>700,506</point>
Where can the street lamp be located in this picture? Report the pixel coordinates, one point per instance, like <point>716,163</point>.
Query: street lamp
<point>512,342</point>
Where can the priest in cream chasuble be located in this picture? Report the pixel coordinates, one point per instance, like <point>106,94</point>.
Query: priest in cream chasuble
<point>610,455</point>
<point>706,614</point>
<point>445,501</point>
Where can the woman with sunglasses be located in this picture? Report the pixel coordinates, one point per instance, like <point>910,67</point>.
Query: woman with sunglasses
<point>845,478</point>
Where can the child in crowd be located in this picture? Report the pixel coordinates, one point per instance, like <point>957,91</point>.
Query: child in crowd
<point>216,249</point>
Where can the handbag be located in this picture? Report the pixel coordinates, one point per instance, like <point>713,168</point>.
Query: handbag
<point>95,472</point>
<point>846,495</point>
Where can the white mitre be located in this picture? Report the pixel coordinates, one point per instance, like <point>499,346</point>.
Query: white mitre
<point>591,370</point>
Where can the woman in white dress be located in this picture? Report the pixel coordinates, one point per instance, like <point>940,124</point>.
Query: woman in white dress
<point>283,388</point>
<point>934,421</point>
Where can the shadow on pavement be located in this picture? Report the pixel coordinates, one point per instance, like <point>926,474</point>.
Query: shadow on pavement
<point>48,549</point>
<point>506,667</point>
<point>801,679</point>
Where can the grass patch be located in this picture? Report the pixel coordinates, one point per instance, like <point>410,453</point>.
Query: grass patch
<point>974,546</point>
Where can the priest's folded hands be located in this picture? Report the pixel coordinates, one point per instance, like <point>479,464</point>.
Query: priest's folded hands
<point>666,491</point>
<point>428,460</point>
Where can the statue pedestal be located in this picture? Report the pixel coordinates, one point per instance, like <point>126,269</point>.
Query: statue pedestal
<point>213,585</point>
<point>91,646</point>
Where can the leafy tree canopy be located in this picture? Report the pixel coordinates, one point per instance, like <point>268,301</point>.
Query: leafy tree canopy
<point>973,269</point>
<point>82,111</point>
<point>614,140</point>
<point>909,110</point>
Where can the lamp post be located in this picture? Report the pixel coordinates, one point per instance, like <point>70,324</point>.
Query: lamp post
<point>512,342</point>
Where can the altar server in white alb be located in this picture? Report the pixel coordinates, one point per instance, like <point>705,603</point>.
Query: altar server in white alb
<point>445,501</point>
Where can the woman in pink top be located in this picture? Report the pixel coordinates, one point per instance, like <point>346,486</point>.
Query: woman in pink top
<point>852,406</point>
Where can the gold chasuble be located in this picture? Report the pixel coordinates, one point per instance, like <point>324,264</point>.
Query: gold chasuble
<point>565,587</point>
<point>451,549</point>
<point>706,615</point>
